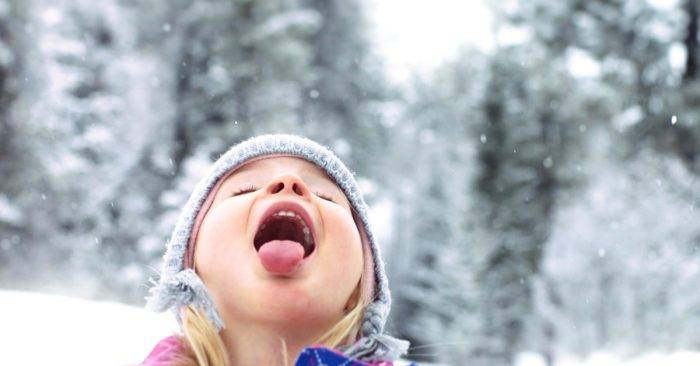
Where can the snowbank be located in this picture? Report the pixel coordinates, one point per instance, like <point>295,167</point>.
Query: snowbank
<point>680,358</point>
<point>54,330</point>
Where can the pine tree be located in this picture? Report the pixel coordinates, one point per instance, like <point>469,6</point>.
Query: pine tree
<point>527,136</point>
<point>433,252</point>
<point>16,157</point>
<point>346,88</point>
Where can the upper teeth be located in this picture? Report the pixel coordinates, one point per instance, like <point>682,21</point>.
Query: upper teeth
<point>305,228</point>
<point>286,213</point>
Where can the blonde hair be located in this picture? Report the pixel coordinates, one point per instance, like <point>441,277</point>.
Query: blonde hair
<point>202,344</point>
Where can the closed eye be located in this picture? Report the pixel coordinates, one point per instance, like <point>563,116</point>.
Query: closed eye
<point>324,196</point>
<point>244,190</point>
<point>251,188</point>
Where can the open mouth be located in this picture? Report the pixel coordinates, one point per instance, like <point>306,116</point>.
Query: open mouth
<point>285,225</point>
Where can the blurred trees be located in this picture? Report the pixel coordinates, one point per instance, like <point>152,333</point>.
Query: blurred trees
<point>589,85</point>
<point>538,196</point>
<point>527,135</point>
<point>15,156</point>
<point>129,103</point>
<point>432,253</point>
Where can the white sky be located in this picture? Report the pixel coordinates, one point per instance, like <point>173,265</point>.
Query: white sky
<point>418,35</point>
<point>421,34</point>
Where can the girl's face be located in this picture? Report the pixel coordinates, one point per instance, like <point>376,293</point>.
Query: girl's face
<point>316,293</point>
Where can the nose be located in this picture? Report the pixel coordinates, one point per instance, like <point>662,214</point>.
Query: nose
<point>288,184</point>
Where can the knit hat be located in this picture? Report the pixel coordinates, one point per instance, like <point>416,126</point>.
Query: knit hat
<point>180,286</point>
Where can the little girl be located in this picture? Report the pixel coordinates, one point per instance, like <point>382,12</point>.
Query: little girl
<point>273,262</point>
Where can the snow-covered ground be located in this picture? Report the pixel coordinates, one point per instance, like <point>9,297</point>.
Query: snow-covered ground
<point>681,358</point>
<point>42,330</point>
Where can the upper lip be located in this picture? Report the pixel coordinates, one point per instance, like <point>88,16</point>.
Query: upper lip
<point>289,206</point>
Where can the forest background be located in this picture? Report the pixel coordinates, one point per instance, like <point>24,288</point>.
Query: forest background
<point>540,195</point>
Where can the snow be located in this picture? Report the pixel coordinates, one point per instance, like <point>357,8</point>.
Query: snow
<point>9,213</point>
<point>677,56</point>
<point>40,329</point>
<point>581,64</point>
<point>628,118</point>
<point>283,23</point>
<point>679,358</point>
<point>101,95</point>
<point>510,36</point>
<point>51,16</point>
<point>664,4</point>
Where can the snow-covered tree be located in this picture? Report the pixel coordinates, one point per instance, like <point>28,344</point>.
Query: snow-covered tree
<point>529,132</point>
<point>347,87</point>
<point>16,156</point>
<point>432,256</point>
<point>87,106</point>
<point>621,256</point>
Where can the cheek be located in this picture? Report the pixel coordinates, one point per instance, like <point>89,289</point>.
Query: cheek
<point>342,257</point>
<point>348,244</point>
<point>221,245</point>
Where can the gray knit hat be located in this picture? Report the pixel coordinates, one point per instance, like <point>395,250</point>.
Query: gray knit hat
<point>180,286</point>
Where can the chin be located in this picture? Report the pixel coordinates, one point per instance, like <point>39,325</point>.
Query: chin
<point>295,308</point>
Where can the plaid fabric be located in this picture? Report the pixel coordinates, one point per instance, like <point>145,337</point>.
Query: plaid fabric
<point>323,356</point>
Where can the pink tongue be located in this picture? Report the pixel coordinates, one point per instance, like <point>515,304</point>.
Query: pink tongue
<point>281,256</point>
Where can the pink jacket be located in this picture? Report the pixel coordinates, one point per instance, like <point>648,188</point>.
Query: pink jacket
<point>163,352</point>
